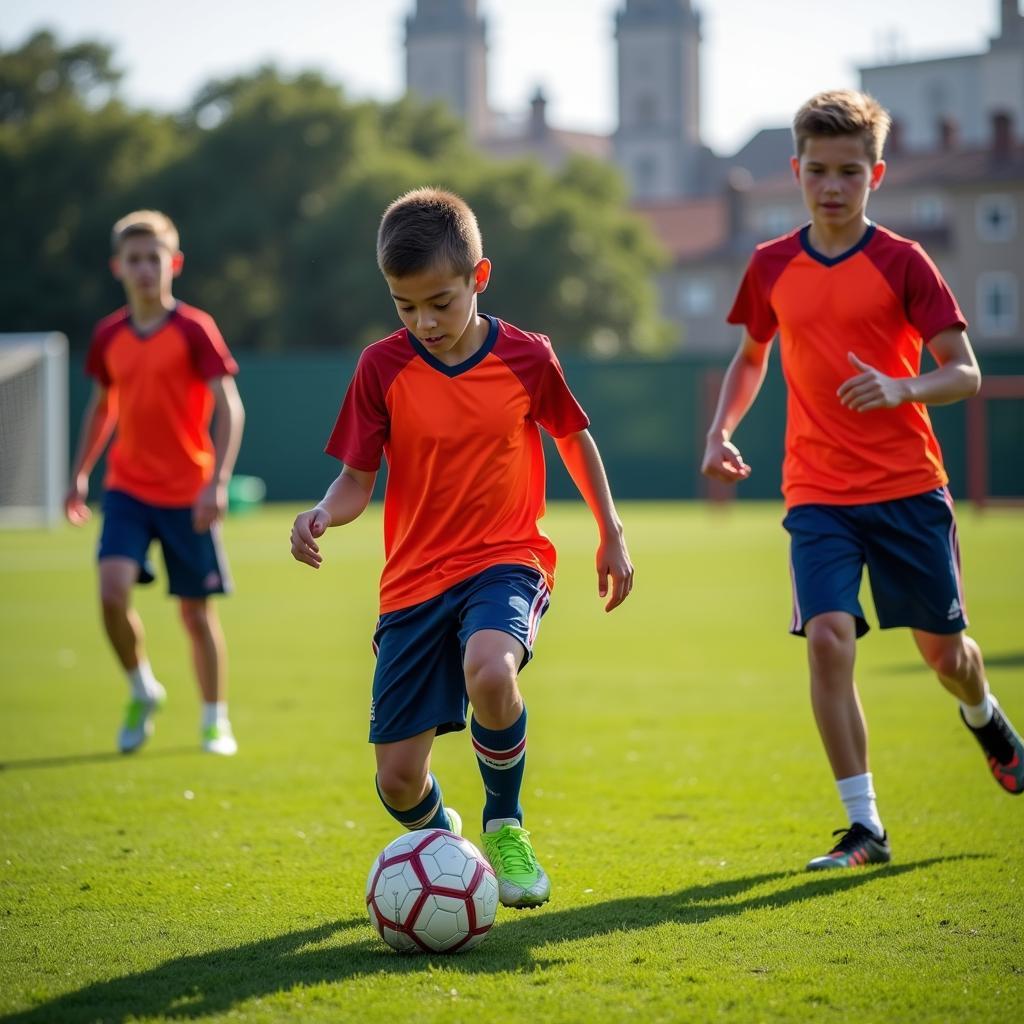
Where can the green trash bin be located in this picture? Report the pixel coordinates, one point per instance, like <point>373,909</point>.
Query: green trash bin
<point>245,494</point>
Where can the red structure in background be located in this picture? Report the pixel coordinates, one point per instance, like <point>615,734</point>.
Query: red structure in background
<point>992,388</point>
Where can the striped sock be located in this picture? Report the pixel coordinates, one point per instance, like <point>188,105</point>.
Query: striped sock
<point>428,813</point>
<point>501,758</point>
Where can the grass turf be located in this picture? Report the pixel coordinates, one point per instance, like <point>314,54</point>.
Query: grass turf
<point>675,788</point>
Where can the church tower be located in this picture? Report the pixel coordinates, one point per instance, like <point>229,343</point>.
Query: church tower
<point>446,59</point>
<point>657,143</point>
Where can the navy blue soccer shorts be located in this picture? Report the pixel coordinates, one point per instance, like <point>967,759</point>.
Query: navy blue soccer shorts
<point>912,555</point>
<point>195,562</point>
<point>419,683</point>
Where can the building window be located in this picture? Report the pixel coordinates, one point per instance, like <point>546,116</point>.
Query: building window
<point>646,109</point>
<point>696,296</point>
<point>998,311</point>
<point>996,218</point>
<point>928,211</point>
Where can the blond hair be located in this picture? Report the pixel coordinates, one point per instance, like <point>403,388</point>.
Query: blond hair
<point>843,112</point>
<point>145,222</point>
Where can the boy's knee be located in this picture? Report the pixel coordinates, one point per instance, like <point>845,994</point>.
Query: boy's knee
<point>114,596</point>
<point>949,659</point>
<point>829,638</point>
<point>400,785</point>
<point>196,616</point>
<point>490,682</point>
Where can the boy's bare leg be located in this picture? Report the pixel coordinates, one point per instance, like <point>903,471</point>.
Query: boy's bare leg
<point>209,657</point>
<point>127,637</point>
<point>407,788</point>
<point>491,665</point>
<point>831,651</point>
<point>122,623</point>
<point>956,660</point>
<point>209,652</point>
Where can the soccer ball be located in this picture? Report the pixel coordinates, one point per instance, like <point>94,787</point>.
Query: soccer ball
<point>431,891</point>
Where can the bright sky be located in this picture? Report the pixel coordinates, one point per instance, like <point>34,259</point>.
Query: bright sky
<point>760,59</point>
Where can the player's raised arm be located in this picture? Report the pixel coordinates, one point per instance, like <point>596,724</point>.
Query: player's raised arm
<point>583,462</point>
<point>741,385</point>
<point>345,500</point>
<point>98,422</point>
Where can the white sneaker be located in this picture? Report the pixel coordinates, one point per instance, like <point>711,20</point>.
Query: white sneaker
<point>137,726</point>
<point>219,739</point>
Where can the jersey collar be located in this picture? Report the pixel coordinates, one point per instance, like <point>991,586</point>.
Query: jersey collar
<point>831,261</point>
<point>467,364</point>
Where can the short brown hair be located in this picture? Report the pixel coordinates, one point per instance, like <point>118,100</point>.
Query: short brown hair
<point>145,222</point>
<point>425,228</point>
<point>843,112</point>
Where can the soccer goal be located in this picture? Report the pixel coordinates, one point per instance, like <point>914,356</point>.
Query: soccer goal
<point>33,428</point>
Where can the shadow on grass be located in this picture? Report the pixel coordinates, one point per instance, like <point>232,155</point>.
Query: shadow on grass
<point>217,981</point>
<point>96,758</point>
<point>1008,659</point>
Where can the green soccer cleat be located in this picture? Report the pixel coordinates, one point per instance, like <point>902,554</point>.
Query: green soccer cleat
<point>1003,749</point>
<point>137,726</point>
<point>521,880</point>
<point>219,739</point>
<point>858,846</point>
<point>454,821</point>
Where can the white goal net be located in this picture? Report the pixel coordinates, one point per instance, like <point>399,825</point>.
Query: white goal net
<point>33,428</point>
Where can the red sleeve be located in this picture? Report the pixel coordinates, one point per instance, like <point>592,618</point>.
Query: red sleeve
<point>96,356</point>
<point>210,354</point>
<point>929,303</point>
<point>363,424</point>
<point>553,405</point>
<point>752,307</point>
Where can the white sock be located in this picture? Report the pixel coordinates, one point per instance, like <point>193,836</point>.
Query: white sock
<point>214,713</point>
<point>142,681</point>
<point>978,715</point>
<point>496,824</point>
<point>858,795</point>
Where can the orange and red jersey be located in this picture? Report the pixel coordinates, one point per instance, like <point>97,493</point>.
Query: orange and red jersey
<point>466,481</point>
<point>882,300</point>
<point>157,381</point>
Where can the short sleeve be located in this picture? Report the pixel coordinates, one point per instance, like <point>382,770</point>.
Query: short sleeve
<point>363,424</point>
<point>928,301</point>
<point>209,352</point>
<point>95,357</point>
<point>752,307</point>
<point>553,405</point>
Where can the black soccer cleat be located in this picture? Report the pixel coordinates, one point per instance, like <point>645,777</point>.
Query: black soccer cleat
<point>1003,750</point>
<point>858,846</point>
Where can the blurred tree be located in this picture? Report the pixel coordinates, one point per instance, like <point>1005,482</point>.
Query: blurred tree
<point>277,184</point>
<point>41,73</point>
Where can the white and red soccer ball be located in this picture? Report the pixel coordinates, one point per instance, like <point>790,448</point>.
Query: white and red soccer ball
<point>431,891</point>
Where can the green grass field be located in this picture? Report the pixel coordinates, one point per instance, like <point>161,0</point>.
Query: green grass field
<point>675,788</point>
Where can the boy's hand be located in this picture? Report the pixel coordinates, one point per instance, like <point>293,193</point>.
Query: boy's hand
<point>722,461</point>
<point>306,528</point>
<point>75,508</point>
<point>613,561</point>
<point>871,389</point>
<point>210,506</point>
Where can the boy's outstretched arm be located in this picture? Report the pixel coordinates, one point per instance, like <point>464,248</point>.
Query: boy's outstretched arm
<point>957,377</point>
<point>344,501</point>
<point>98,422</point>
<point>583,461</point>
<point>741,385</point>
